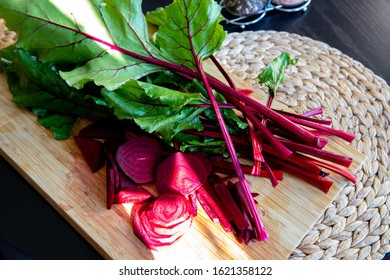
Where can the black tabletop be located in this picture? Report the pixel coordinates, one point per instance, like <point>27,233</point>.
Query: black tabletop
<point>31,228</point>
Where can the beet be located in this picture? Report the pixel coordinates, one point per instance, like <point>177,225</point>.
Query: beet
<point>181,227</point>
<point>131,194</point>
<point>158,224</point>
<point>138,158</point>
<point>112,179</point>
<point>92,151</point>
<point>112,145</point>
<point>181,173</point>
<point>169,210</point>
<point>142,233</point>
<point>124,181</point>
<point>169,235</point>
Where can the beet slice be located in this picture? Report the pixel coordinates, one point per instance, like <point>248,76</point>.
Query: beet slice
<point>142,233</point>
<point>205,161</point>
<point>231,208</point>
<point>193,200</point>
<point>157,224</point>
<point>92,151</point>
<point>213,206</point>
<point>131,194</point>
<point>124,181</point>
<point>181,227</point>
<point>112,145</point>
<point>170,209</point>
<point>207,208</point>
<point>142,230</point>
<point>181,173</point>
<point>138,158</point>
<point>110,186</point>
<point>112,179</point>
<point>169,235</point>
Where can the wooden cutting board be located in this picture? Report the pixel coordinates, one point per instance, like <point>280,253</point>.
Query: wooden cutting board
<point>58,172</point>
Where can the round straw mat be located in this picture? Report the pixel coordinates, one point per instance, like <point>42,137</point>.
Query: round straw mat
<point>356,225</point>
<point>6,37</point>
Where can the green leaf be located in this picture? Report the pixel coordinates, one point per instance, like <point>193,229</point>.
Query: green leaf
<point>155,108</point>
<point>191,31</point>
<point>128,32</point>
<point>35,84</point>
<point>109,71</point>
<point>273,74</point>
<point>61,125</point>
<point>107,43</point>
<point>233,122</point>
<point>99,33</point>
<point>169,125</point>
<point>208,145</point>
<point>156,17</point>
<point>38,86</point>
<point>64,40</point>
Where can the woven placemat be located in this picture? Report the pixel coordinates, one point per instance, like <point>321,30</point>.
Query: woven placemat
<point>7,37</point>
<point>356,225</point>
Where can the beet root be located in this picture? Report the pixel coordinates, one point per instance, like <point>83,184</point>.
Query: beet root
<point>157,223</point>
<point>92,151</point>
<point>138,158</point>
<point>181,173</point>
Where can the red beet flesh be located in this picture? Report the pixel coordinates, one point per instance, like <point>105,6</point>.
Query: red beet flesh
<point>138,158</point>
<point>181,173</point>
<point>162,221</point>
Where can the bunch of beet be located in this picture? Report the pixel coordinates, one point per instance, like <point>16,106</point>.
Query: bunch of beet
<point>182,180</point>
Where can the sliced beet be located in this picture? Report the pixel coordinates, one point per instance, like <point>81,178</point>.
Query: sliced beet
<point>142,233</point>
<point>169,209</point>
<point>193,200</point>
<point>112,145</point>
<point>110,186</point>
<point>181,173</point>
<point>138,158</point>
<point>124,181</point>
<point>157,227</point>
<point>181,227</point>
<point>169,235</point>
<point>131,194</point>
<point>92,151</point>
<point>213,206</point>
<point>207,208</point>
<point>104,129</point>
<point>231,208</point>
<point>112,179</point>
<point>205,161</point>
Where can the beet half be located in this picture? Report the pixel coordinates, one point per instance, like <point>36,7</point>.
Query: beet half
<point>138,158</point>
<point>182,173</point>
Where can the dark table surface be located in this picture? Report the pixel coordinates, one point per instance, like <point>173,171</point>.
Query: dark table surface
<point>31,228</point>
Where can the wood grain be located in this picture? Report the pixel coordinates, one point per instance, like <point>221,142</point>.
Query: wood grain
<point>57,170</point>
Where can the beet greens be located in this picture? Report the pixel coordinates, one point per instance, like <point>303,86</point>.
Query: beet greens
<point>101,62</point>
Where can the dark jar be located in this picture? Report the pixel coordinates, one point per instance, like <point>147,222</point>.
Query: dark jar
<point>288,3</point>
<point>245,8</point>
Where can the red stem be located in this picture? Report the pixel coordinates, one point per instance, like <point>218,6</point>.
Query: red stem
<point>313,179</point>
<point>324,154</point>
<point>346,174</point>
<point>339,133</point>
<point>316,111</point>
<point>258,227</point>
<point>256,143</point>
